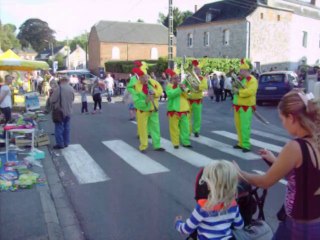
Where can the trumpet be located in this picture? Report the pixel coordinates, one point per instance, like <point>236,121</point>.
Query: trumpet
<point>151,95</point>
<point>193,79</point>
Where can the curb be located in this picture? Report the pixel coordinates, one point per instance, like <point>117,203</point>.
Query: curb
<point>60,217</point>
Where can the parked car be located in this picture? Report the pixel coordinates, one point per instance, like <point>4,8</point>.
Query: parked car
<point>88,78</point>
<point>273,85</point>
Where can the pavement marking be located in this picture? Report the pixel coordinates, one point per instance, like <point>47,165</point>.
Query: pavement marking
<point>139,161</point>
<point>185,154</point>
<point>270,135</point>
<point>254,142</point>
<point>284,182</point>
<point>85,169</point>
<point>225,148</point>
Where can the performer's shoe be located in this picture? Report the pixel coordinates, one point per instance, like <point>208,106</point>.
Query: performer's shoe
<point>176,147</point>
<point>143,151</point>
<point>160,149</point>
<point>187,146</point>
<point>237,147</point>
<point>149,136</point>
<point>245,150</point>
<point>196,134</point>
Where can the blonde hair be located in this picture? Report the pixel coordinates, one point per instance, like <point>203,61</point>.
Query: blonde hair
<point>305,111</point>
<point>221,178</point>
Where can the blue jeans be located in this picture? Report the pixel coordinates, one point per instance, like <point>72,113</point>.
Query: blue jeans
<point>62,132</point>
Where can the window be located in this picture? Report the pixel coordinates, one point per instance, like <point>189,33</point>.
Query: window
<point>226,37</point>
<point>305,39</point>
<point>261,15</point>
<point>208,17</point>
<point>115,53</point>
<point>278,18</point>
<point>190,40</point>
<point>154,53</point>
<point>206,39</point>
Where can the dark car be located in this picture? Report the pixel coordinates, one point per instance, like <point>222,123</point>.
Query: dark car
<point>273,85</point>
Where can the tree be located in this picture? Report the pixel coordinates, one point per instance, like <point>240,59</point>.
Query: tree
<point>178,18</point>
<point>8,37</point>
<point>37,33</point>
<point>81,40</point>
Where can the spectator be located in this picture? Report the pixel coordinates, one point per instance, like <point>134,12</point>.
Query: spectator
<point>163,83</point>
<point>127,98</point>
<point>5,98</point>
<point>109,81</point>
<point>214,217</point>
<point>299,162</point>
<point>228,88</point>
<point>62,129</point>
<point>84,102</point>
<point>210,88</point>
<point>97,89</point>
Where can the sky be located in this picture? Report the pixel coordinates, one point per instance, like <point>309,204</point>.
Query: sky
<point>70,18</point>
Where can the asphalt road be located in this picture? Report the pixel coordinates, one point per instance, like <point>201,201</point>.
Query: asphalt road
<point>118,194</point>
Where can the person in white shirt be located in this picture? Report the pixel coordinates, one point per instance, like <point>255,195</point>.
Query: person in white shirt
<point>5,98</point>
<point>228,88</point>
<point>109,81</point>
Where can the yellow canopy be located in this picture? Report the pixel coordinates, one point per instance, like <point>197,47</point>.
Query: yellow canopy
<point>9,61</point>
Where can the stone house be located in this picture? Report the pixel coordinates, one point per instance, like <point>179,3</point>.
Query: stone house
<point>272,33</point>
<point>26,53</point>
<point>126,41</point>
<point>52,53</point>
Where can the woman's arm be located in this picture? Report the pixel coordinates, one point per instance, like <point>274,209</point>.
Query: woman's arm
<point>289,158</point>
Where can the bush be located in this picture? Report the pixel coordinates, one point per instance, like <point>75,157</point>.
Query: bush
<point>207,65</point>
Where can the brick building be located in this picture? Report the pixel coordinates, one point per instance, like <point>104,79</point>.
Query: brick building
<point>123,41</point>
<point>279,33</point>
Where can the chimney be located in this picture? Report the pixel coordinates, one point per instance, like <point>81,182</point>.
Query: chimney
<point>196,7</point>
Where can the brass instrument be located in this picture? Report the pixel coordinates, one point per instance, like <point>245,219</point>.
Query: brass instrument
<point>193,79</point>
<point>151,95</point>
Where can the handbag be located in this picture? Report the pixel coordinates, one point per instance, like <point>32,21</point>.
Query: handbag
<point>57,113</point>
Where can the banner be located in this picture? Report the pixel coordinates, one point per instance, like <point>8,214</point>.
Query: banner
<point>32,101</point>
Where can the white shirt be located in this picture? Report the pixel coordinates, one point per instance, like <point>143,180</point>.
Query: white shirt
<point>6,102</point>
<point>109,83</point>
<point>227,83</point>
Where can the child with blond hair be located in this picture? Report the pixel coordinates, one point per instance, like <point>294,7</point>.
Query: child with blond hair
<point>213,217</point>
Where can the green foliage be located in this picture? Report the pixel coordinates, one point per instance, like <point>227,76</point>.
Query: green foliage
<point>208,65</point>
<point>8,37</point>
<point>81,40</point>
<point>126,66</point>
<point>37,33</point>
<point>178,18</point>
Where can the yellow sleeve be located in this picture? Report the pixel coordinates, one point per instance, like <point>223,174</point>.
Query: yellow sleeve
<point>250,89</point>
<point>156,88</point>
<point>203,85</point>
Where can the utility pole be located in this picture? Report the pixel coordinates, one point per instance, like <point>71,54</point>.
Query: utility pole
<point>170,37</point>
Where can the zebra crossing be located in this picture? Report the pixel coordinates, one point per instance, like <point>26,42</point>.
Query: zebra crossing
<point>86,170</point>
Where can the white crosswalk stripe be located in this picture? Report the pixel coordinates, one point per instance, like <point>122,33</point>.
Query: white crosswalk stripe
<point>270,135</point>
<point>185,154</point>
<point>139,161</point>
<point>254,142</point>
<point>85,169</point>
<point>225,148</point>
<point>285,182</point>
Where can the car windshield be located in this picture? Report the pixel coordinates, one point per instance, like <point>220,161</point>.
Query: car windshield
<point>274,78</point>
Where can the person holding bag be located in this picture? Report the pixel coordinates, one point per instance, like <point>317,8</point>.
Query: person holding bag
<point>299,162</point>
<point>62,99</point>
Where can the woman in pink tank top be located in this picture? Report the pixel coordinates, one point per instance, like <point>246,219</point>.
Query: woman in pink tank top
<point>299,162</point>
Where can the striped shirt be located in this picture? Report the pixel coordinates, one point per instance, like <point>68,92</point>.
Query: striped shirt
<point>212,224</point>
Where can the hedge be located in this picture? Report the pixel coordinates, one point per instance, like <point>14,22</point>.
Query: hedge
<point>207,65</point>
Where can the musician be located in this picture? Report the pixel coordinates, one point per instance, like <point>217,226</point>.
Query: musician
<point>178,111</point>
<point>244,104</point>
<point>195,101</point>
<point>145,95</point>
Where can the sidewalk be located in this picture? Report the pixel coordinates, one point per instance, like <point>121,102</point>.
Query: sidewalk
<point>43,212</point>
